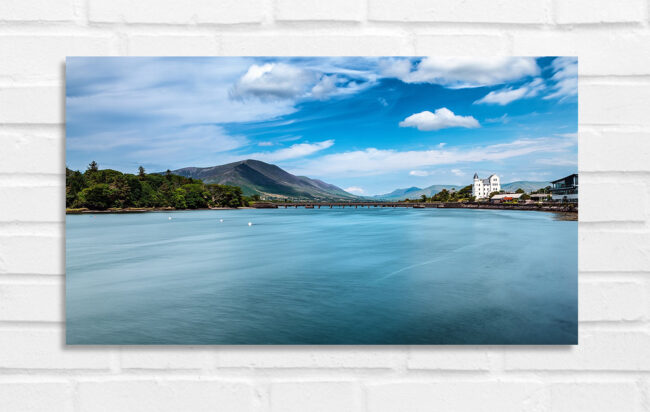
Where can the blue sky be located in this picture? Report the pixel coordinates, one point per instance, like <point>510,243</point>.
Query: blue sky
<point>368,125</point>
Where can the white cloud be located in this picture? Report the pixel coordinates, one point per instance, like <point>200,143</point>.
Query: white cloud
<point>565,77</point>
<point>273,80</point>
<point>501,119</point>
<point>459,72</point>
<point>295,151</point>
<point>265,144</point>
<point>442,118</point>
<point>419,173</point>
<point>457,172</point>
<point>355,190</point>
<point>508,95</point>
<point>382,101</point>
<point>373,161</point>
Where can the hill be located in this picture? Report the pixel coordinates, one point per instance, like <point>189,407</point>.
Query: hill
<point>416,193</point>
<point>264,179</point>
<point>525,185</point>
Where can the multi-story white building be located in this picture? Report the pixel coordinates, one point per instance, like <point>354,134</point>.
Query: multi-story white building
<point>483,187</point>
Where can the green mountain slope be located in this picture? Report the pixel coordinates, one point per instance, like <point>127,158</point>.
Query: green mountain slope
<point>256,177</point>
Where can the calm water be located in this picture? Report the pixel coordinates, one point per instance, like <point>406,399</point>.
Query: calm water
<point>322,276</point>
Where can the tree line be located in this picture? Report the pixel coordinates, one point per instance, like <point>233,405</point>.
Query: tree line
<point>103,189</point>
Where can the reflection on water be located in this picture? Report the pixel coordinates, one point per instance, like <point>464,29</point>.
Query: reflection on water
<point>322,276</point>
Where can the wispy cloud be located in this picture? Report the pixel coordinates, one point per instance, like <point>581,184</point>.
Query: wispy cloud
<point>460,72</point>
<point>374,161</point>
<point>419,173</point>
<point>565,78</point>
<point>442,118</point>
<point>293,152</point>
<point>509,95</point>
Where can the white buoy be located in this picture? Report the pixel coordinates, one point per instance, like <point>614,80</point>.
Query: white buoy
<point>250,223</point>
<point>221,220</point>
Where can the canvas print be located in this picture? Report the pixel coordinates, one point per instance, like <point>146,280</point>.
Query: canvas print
<point>321,200</point>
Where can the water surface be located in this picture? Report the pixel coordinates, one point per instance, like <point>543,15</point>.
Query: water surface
<point>322,276</point>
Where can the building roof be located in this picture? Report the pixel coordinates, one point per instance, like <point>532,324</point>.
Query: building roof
<point>504,195</point>
<point>564,178</point>
<point>475,175</point>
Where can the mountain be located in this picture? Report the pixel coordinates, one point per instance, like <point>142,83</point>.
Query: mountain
<point>415,192</point>
<point>256,177</point>
<point>397,193</point>
<point>526,185</point>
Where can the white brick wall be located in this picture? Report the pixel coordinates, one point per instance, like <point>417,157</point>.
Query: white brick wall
<point>608,371</point>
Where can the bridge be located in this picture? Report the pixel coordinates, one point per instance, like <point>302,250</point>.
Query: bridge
<point>547,207</point>
<point>356,205</point>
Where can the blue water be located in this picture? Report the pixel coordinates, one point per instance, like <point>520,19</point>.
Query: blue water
<point>322,276</point>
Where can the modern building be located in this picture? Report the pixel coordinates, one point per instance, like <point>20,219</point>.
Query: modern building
<point>540,197</point>
<point>565,189</point>
<point>481,188</point>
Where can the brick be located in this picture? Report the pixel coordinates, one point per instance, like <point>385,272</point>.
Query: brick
<point>157,395</point>
<point>599,11</point>
<point>616,205</point>
<point>313,45</point>
<point>166,358</point>
<point>37,10</point>
<point>45,349</point>
<point>315,396</point>
<point>45,104</point>
<point>470,44</point>
<point>448,358</point>
<point>36,396</point>
<point>471,11</point>
<point>613,251</point>
<point>590,47</point>
<point>32,302</point>
<point>455,396</point>
<point>181,45</point>
<point>618,151</point>
<point>42,58</point>
<point>32,254</point>
<point>594,397</point>
<point>33,151</point>
<point>309,357</point>
<point>26,204</point>
<point>339,10</point>
<point>611,301</point>
<point>173,12</point>
<point>597,351</point>
<point>618,104</point>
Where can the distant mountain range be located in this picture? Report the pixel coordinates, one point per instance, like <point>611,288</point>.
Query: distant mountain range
<point>264,179</point>
<point>525,185</point>
<point>256,177</point>
<point>416,192</point>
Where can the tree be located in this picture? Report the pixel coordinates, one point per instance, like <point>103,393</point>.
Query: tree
<point>141,171</point>
<point>93,166</point>
<point>493,193</point>
<point>423,198</point>
<point>524,197</point>
<point>520,190</point>
<point>97,197</point>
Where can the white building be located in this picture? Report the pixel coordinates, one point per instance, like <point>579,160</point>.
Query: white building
<point>483,187</point>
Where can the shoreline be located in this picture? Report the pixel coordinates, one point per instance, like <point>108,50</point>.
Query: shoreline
<point>564,211</point>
